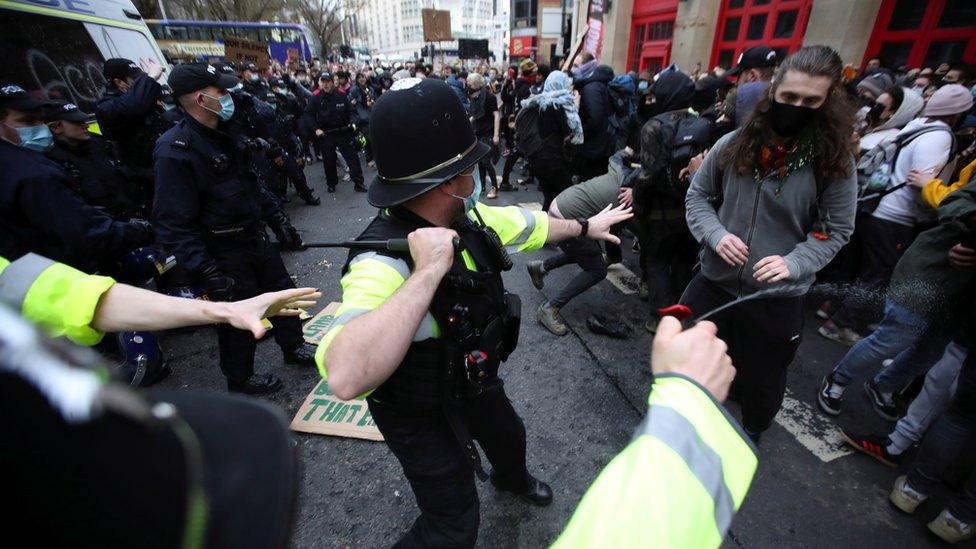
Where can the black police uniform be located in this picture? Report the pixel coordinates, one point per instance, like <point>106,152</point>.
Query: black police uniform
<point>40,213</point>
<point>332,113</point>
<point>96,173</point>
<point>446,392</point>
<point>208,212</point>
<point>133,120</point>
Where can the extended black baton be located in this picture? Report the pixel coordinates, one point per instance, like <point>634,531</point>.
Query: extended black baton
<point>393,244</point>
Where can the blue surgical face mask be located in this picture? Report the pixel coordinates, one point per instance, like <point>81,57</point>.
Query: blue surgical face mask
<point>471,200</point>
<point>255,78</point>
<point>237,87</point>
<point>642,85</point>
<point>226,106</point>
<point>36,138</point>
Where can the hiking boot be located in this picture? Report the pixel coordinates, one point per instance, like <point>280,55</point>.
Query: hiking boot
<point>904,497</point>
<point>549,316</point>
<point>537,272</point>
<point>951,529</point>
<point>834,332</point>
<point>882,402</point>
<point>827,397</point>
<point>875,446</point>
<point>652,323</point>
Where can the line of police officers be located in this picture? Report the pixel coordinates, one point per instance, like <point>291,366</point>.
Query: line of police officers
<point>210,176</point>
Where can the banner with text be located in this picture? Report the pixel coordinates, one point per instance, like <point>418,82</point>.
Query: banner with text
<point>594,35</point>
<point>241,51</point>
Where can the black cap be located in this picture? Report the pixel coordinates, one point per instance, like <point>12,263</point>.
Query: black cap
<point>195,76</point>
<point>119,68</point>
<point>326,75</point>
<point>13,96</point>
<point>421,137</point>
<point>249,67</point>
<point>69,112</point>
<point>756,57</point>
<point>227,68</point>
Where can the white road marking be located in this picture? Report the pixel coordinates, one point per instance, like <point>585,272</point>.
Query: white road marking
<point>534,206</point>
<point>622,277</point>
<point>817,433</point>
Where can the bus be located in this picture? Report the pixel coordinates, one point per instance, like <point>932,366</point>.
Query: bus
<point>204,40</point>
<point>55,49</point>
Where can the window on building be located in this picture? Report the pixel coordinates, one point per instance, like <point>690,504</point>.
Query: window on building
<point>785,23</point>
<point>907,15</point>
<point>958,13</point>
<point>760,2</point>
<point>725,59</point>
<point>757,25</point>
<point>731,32</point>
<point>638,34</point>
<point>778,24</point>
<point>924,34</point>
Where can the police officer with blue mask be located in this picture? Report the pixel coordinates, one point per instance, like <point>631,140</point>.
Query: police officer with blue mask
<point>39,210</point>
<point>208,212</point>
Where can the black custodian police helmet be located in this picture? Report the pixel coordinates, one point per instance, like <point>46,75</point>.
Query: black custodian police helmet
<point>421,137</point>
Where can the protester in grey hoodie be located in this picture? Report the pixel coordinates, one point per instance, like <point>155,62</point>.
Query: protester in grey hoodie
<point>772,204</point>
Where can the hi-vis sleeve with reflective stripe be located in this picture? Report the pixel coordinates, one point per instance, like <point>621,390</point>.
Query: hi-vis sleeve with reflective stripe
<point>677,484</point>
<point>59,298</point>
<point>371,280</point>
<point>520,229</point>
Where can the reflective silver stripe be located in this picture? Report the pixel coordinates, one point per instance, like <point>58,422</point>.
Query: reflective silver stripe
<point>433,169</point>
<point>426,328</point>
<point>398,265</point>
<point>346,317</point>
<point>670,427</point>
<point>523,237</point>
<point>17,279</point>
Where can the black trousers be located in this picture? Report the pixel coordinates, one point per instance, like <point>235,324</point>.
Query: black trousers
<point>486,167</point>
<point>880,244</point>
<point>256,268</point>
<point>588,168</point>
<point>763,336</point>
<point>328,144</point>
<point>441,477</point>
<point>667,255</point>
<point>553,178</point>
<point>510,161</point>
<point>296,174</point>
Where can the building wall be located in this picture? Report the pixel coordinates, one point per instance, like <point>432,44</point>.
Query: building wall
<point>843,25</point>
<point>694,33</point>
<point>395,27</point>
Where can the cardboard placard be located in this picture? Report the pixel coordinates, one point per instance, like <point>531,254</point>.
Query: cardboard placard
<point>241,51</point>
<point>576,49</point>
<point>323,413</point>
<point>315,328</point>
<point>437,25</point>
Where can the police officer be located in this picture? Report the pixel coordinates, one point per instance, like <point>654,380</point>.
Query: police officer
<point>334,119</point>
<point>39,211</point>
<point>287,155</point>
<point>253,82</point>
<point>208,212</point>
<point>129,111</point>
<point>424,331</point>
<point>92,164</point>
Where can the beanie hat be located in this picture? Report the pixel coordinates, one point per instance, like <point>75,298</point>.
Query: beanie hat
<point>948,100</point>
<point>877,83</point>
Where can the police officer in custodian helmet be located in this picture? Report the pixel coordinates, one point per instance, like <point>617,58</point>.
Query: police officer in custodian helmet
<point>423,332</point>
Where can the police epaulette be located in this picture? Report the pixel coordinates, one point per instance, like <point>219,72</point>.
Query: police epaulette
<point>182,139</point>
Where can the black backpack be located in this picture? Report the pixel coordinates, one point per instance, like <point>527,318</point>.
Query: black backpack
<point>527,138</point>
<point>683,137</point>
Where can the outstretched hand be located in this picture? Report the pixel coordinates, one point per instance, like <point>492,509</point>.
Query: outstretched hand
<point>696,353</point>
<point>600,223</point>
<point>247,314</point>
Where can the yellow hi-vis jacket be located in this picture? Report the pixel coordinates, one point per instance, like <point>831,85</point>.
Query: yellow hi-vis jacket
<point>372,277</point>
<point>59,298</point>
<point>676,485</point>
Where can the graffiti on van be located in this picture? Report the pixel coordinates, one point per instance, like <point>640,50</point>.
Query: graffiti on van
<point>81,83</point>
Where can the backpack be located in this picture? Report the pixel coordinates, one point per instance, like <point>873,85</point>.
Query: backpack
<point>527,138</point>
<point>682,138</point>
<point>876,168</point>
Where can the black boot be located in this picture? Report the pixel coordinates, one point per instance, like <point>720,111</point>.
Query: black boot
<point>311,200</point>
<point>303,355</point>
<point>360,188</point>
<point>257,384</point>
<point>537,493</point>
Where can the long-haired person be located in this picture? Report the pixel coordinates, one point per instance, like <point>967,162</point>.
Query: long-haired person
<point>773,203</point>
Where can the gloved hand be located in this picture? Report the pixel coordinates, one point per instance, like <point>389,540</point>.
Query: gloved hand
<point>219,287</point>
<point>286,233</point>
<point>142,226</point>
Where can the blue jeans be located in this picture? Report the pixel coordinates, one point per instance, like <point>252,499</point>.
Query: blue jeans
<point>913,341</point>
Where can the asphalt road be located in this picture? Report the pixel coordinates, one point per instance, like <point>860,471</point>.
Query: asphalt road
<point>581,396</point>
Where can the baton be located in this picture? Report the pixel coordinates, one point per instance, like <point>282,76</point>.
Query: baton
<point>393,244</point>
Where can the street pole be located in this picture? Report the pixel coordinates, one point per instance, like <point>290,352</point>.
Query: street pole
<point>162,9</point>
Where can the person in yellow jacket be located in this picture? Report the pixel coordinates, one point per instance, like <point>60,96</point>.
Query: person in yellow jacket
<point>684,475</point>
<point>934,191</point>
<point>82,307</point>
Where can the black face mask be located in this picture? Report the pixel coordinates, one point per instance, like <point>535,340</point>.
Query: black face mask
<point>648,110</point>
<point>789,120</point>
<point>874,115</point>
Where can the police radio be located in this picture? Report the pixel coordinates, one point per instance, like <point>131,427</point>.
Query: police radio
<point>497,248</point>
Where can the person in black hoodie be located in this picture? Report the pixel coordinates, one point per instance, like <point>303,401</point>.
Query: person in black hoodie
<point>521,91</point>
<point>595,111</point>
<point>667,247</point>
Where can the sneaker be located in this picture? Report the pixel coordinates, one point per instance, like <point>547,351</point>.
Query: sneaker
<point>951,529</point>
<point>652,323</point>
<point>875,446</point>
<point>506,187</point>
<point>549,316</point>
<point>492,194</point>
<point>825,311</point>
<point>829,404</point>
<point>834,332</point>
<point>904,497</point>
<point>882,402</point>
<point>537,273</point>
